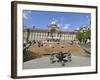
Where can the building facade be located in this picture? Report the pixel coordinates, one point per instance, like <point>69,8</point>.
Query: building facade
<point>53,33</point>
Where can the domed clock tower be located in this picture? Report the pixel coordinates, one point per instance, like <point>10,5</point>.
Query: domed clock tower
<point>54,33</point>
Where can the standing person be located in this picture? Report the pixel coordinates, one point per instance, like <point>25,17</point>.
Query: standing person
<point>72,42</point>
<point>39,44</point>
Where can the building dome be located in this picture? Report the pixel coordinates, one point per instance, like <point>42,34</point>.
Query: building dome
<point>53,26</point>
<point>53,22</point>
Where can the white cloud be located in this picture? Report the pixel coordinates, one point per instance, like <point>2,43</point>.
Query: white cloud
<point>64,27</point>
<point>60,25</point>
<point>26,14</point>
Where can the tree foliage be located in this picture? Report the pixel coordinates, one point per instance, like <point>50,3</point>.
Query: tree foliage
<point>79,36</point>
<point>83,36</point>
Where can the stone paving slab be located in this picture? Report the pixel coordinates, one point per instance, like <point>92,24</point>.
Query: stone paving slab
<point>44,62</point>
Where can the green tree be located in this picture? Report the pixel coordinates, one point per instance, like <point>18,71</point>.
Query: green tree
<point>79,36</point>
<point>83,36</point>
<point>89,34</point>
<point>86,36</point>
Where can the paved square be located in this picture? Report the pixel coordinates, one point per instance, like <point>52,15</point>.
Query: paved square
<point>79,57</point>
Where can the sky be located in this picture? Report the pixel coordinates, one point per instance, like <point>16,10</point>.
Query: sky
<point>67,21</point>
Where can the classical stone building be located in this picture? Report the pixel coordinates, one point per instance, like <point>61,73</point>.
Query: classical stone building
<point>53,33</point>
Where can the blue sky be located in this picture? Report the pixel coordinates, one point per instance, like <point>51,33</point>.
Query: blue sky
<point>67,21</point>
